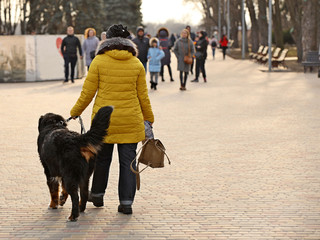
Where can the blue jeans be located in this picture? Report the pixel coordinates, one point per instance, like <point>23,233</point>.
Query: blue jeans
<point>127,179</point>
<point>213,51</point>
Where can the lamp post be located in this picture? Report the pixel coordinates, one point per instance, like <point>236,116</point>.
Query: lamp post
<point>270,35</point>
<point>243,30</point>
<point>228,19</point>
<point>219,19</point>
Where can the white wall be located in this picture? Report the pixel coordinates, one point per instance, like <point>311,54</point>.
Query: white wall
<point>34,58</point>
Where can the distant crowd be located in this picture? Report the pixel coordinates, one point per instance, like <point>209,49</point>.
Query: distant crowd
<point>154,52</point>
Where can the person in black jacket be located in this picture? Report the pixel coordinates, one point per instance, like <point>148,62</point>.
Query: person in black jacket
<point>142,43</point>
<point>69,50</point>
<point>201,56</point>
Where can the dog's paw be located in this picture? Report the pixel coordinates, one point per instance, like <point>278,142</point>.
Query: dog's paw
<point>73,218</point>
<point>53,205</point>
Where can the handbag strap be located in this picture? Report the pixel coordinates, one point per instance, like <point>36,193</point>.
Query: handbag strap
<point>163,150</point>
<point>137,172</point>
<point>131,167</point>
<point>189,51</point>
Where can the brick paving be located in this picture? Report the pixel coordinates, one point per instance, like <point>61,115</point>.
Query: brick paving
<point>245,161</point>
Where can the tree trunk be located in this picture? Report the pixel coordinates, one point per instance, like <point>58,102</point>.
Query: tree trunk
<point>255,27</point>
<point>295,10</point>
<point>309,23</point>
<point>277,25</point>
<point>263,23</point>
<point>1,32</point>
<point>235,20</point>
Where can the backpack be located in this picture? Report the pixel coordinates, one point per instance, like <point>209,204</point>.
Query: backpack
<point>213,44</point>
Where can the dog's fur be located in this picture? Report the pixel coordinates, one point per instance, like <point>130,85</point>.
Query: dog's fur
<point>67,157</point>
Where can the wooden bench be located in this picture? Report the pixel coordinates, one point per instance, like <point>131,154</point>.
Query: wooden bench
<point>312,60</point>
<point>280,60</point>
<point>254,55</point>
<point>275,55</point>
<point>263,54</point>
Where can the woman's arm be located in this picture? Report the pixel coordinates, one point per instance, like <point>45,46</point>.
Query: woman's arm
<point>143,97</point>
<point>89,89</point>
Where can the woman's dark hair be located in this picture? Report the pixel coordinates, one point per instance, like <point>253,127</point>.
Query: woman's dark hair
<point>117,31</point>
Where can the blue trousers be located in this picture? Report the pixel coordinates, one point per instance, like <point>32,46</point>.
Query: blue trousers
<point>127,179</point>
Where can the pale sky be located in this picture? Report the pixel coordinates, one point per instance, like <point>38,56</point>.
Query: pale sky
<point>159,11</point>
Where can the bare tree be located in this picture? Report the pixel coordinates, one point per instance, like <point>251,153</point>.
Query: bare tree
<point>235,21</point>
<point>295,11</point>
<point>310,26</point>
<point>263,23</point>
<point>255,41</point>
<point>277,26</point>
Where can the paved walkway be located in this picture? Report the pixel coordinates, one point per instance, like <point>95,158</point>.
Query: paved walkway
<point>245,161</point>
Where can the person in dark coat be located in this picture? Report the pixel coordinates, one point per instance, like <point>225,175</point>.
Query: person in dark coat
<point>165,43</point>
<point>142,43</point>
<point>69,51</point>
<point>201,56</point>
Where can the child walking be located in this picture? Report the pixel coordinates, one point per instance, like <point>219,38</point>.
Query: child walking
<point>155,54</point>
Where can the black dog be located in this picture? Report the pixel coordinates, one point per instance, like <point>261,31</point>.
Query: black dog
<point>66,155</point>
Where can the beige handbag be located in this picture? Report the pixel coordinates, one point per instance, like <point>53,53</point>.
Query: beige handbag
<point>152,155</point>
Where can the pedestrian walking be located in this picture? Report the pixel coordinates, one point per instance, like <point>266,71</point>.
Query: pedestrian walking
<point>155,54</point>
<point>165,43</point>
<point>69,47</point>
<point>193,38</point>
<point>224,45</point>
<point>103,37</point>
<point>142,43</point>
<point>184,49</point>
<point>213,44</point>
<point>90,45</point>
<point>201,56</point>
<point>118,78</point>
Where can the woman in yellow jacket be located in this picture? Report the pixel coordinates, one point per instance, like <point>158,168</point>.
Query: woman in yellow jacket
<point>118,78</point>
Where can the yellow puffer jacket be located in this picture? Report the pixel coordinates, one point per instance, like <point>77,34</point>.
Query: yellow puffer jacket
<point>119,79</point>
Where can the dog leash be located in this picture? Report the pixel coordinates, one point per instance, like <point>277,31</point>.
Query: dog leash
<point>83,130</point>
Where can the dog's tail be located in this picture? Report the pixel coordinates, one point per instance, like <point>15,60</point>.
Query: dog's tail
<point>93,139</point>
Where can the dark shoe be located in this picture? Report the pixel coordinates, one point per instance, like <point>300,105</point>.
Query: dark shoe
<point>125,209</point>
<point>163,80</point>
<point>205,80</point>
<point>195,80</point>
<point>151,84</point>
<point>72,80</point>
<point>155,86</point>
<point>97,201</point>
<point>171,80</point>
<point>184,88</point>
<point>65,81</point>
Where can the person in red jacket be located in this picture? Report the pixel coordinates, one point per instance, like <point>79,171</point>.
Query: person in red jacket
<point>224,45</point>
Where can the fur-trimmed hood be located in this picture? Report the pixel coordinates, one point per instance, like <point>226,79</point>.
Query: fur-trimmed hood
<point>119,44</point>
<point>164,32</point>
<point>154,39</point>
